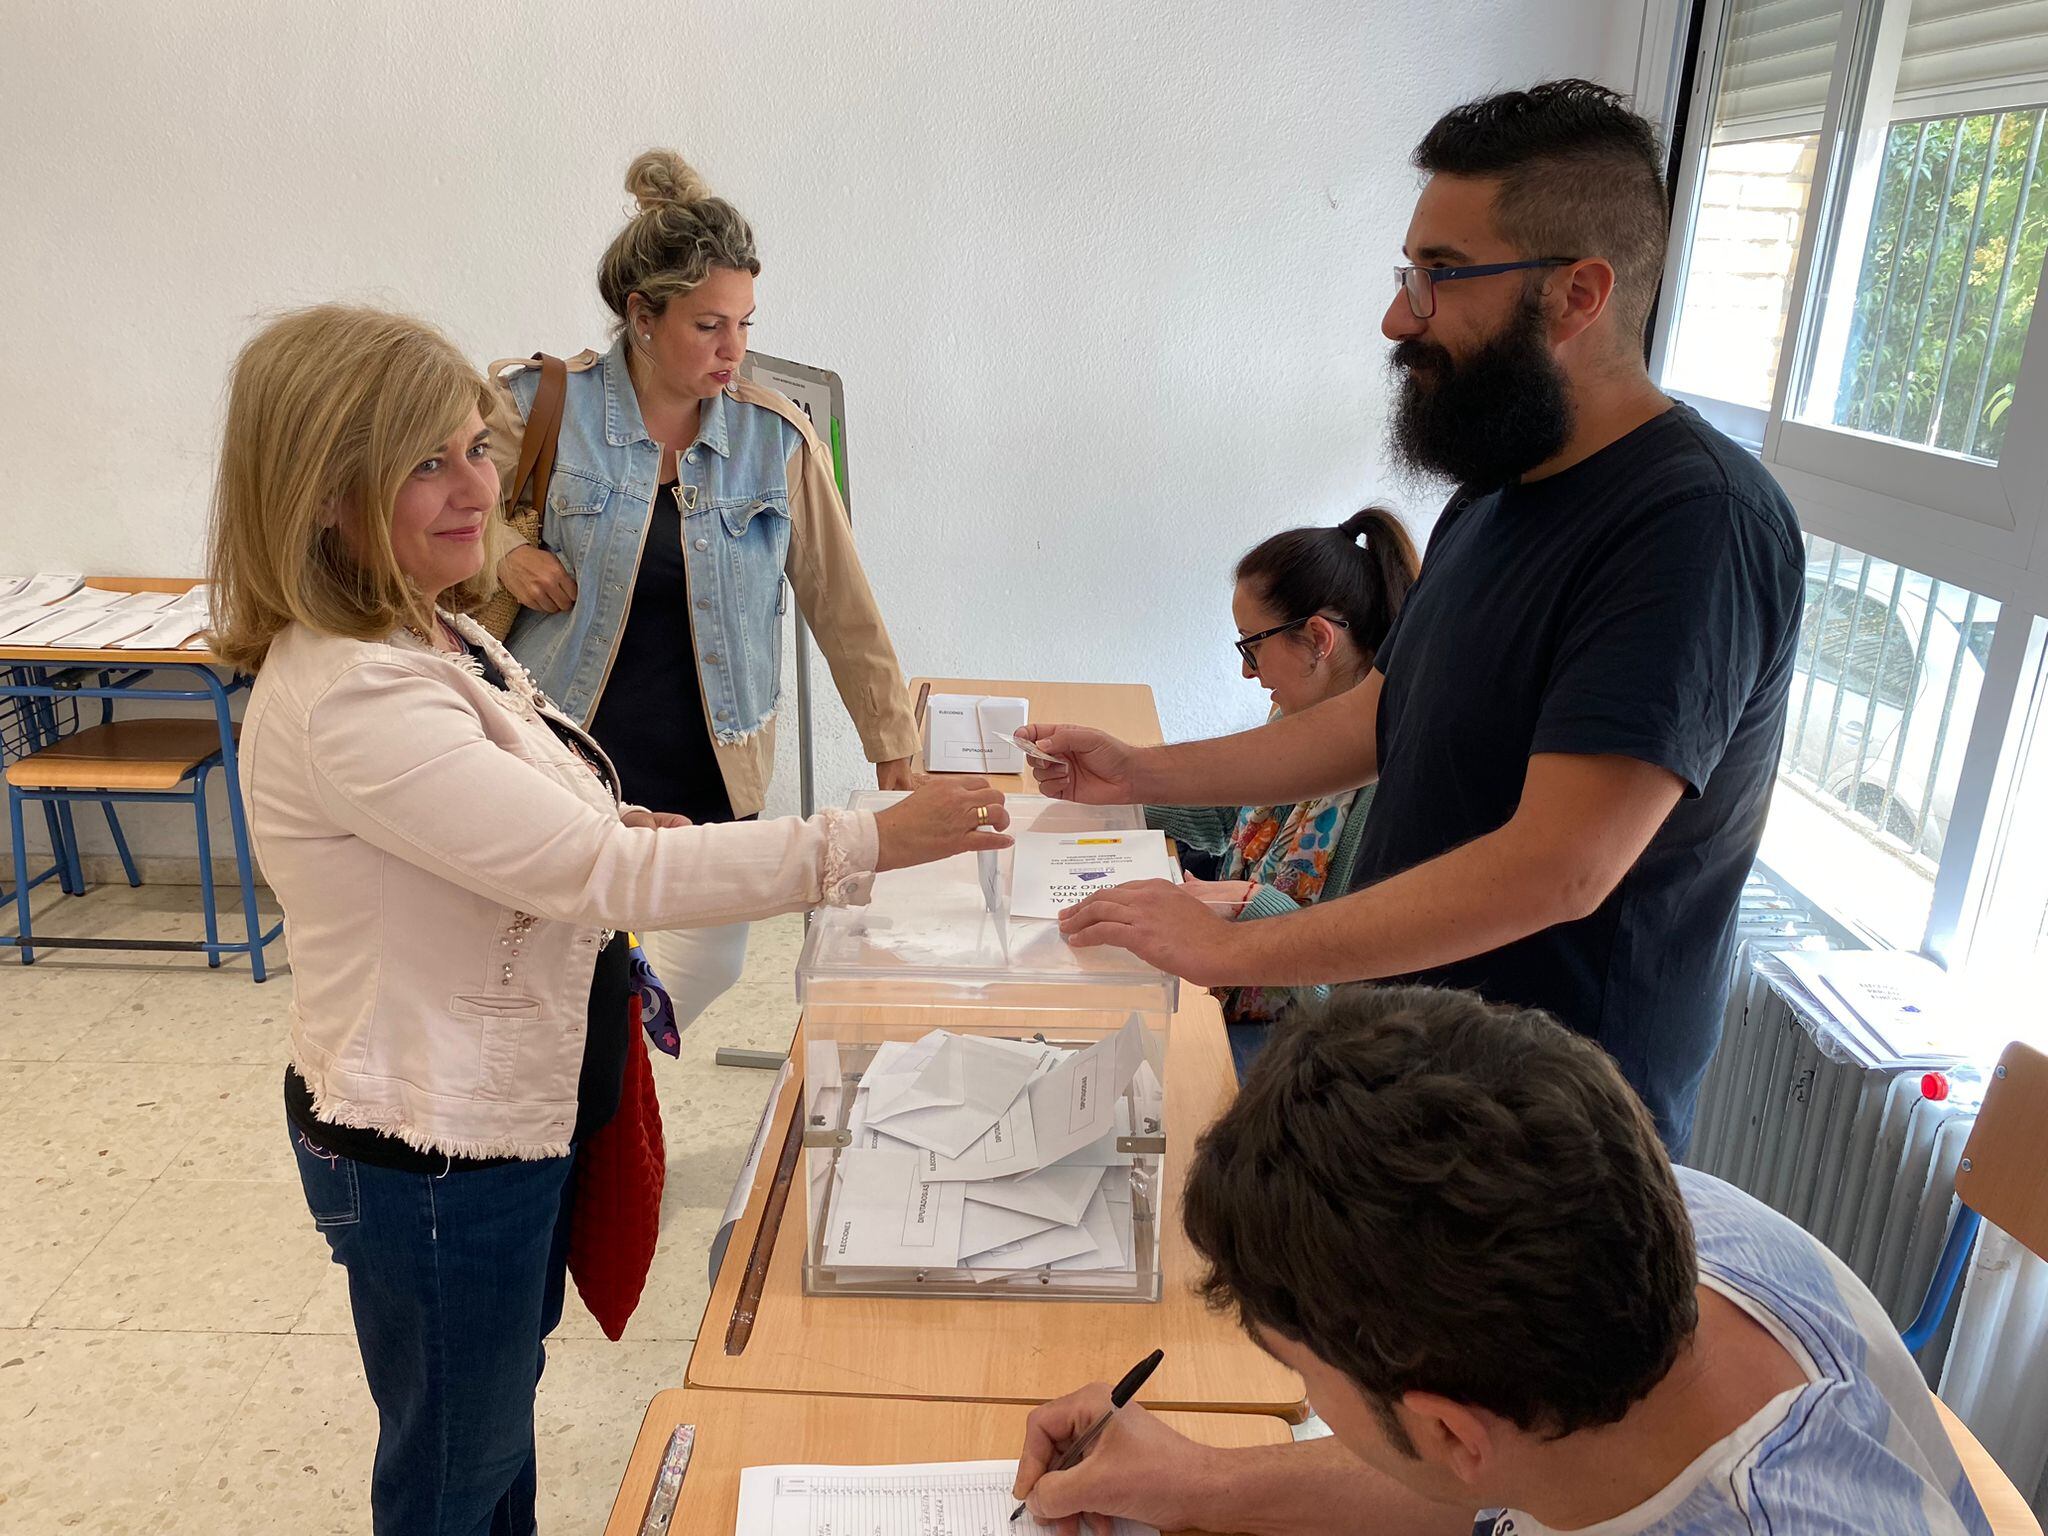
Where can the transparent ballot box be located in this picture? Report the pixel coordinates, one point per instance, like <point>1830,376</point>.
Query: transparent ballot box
<point>984,1107</point>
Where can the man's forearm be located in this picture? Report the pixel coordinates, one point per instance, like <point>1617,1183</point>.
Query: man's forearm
<point>1321,751</point>
<point>1582,824</point>
<point>1315,1487</point>
<point>1463,903</point>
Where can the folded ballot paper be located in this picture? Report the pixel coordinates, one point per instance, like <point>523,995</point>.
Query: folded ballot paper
<point>985,1156</point>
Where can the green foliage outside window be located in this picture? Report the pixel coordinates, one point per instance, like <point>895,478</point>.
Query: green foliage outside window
<point>1948,281</point>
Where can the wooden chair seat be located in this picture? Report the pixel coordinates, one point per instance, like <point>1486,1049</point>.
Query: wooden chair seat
<point>124,754</point>
<point>2004,1505</point>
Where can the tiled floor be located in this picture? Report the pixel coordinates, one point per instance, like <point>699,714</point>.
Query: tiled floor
<point>175,1347</point>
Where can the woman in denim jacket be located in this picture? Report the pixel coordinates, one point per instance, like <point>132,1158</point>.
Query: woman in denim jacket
<point>685,505</point>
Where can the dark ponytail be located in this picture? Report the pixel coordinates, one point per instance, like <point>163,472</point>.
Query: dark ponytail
<point>1306,571</point>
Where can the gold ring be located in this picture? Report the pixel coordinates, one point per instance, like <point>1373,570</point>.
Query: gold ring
<point>981,815</point>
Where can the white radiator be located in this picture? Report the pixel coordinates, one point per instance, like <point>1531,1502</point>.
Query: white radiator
<point>1859,1157</point>
<point>1864,1160</point>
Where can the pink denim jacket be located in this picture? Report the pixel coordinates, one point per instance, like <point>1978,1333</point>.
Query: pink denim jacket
<point>448,869</point>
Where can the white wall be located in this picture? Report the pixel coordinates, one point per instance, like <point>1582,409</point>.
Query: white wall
<point>1104,280</point>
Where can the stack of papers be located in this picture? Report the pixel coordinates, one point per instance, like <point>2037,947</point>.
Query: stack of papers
<point>45,587</point>
<point>948,1498</point>
<point>982,1157</point>
<point>1882,1007</point>
<point>58,610</point>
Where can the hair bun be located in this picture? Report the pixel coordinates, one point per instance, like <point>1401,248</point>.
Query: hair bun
<point>661,176</point>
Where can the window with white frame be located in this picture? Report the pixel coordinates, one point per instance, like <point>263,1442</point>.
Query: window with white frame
<point>1861,217</point>
<point>2008,950</point>
<point>1885,687</point>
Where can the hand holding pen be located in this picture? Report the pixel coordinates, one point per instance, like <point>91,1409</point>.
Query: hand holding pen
<point>1119,1395</point>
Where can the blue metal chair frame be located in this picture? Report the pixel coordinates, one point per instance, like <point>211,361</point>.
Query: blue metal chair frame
<point>45,688</point>
<point>25,728</point>
<point>1948,1273</point>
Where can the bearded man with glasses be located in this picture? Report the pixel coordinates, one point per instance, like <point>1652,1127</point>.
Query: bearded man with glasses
<point>1574,724</point>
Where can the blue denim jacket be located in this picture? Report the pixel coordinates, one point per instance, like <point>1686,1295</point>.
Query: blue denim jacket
<point>760,512</point>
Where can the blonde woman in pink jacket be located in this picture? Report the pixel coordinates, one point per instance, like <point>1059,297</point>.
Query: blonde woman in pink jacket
<point>457,874</point>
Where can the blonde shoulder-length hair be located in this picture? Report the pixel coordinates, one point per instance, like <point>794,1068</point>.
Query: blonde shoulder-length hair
<point>329,409</point>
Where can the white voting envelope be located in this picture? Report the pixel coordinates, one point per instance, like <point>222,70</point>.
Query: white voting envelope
<point>885,1212</point>
<point>1074,1105</point>
<point>970,733</point>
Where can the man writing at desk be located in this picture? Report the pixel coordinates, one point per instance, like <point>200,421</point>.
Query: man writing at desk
<point>1456,1222</point>
<point>1575,720</point>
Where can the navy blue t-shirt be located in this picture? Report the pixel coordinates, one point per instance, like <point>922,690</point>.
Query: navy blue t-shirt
<point>1643,603</point>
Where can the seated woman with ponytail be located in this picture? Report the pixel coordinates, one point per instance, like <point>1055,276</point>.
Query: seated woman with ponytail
<point>1312,606</point>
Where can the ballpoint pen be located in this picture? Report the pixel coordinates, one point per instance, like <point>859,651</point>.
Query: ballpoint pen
<point>1120,1394</point>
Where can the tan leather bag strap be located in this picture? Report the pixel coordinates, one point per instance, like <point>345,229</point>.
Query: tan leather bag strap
<point>543,432</point>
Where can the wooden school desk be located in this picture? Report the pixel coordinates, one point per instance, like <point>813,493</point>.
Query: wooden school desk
<point>192,676</point>
<point>993,1349</point>
<point>736,1430</point>
<point>1125,710</point>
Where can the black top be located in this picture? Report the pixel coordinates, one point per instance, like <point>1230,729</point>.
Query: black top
<point>607,1036</point>
<point>1643,603</point>
<point>650,718</point>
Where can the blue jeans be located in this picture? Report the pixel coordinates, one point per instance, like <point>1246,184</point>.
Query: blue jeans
<point>454,1282</point>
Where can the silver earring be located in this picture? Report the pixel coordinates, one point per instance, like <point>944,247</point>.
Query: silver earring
<point>647,335</point>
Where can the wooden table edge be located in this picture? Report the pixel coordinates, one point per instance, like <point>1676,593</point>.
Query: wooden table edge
<point>54,656</point>
<point>636,1480</point>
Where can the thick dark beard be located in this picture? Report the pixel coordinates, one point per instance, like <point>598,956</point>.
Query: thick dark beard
<point>1487,421</point>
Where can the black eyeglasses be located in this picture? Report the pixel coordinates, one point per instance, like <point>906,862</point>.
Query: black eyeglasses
<point>1419,283</point>
<point>1248,647</point>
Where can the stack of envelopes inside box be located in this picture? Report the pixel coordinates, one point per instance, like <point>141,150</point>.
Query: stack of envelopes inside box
<point>982,1158</point>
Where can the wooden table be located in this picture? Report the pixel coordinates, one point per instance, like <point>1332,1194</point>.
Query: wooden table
<point>736,1430</point>
<point>995,1349</point>
<point>1125,710</point>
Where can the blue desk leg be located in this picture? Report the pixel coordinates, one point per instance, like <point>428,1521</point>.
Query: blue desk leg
<point>21,881</point>
<point>74,868</point>
<point>206,873</point>
<point>61,859</point>
<point>239,821</point>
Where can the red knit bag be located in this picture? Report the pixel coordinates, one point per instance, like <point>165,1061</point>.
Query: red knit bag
<point>617,1217</point>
